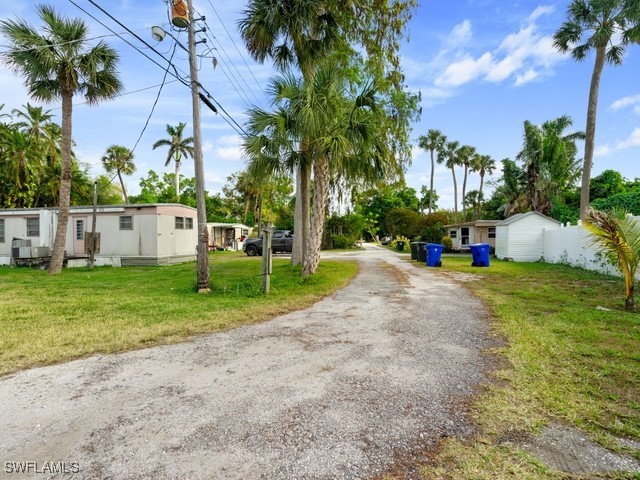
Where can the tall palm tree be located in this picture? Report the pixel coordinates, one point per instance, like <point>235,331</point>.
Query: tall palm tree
<point>449,155</point>
<point>608,27</point>
<point>178,148</point>
<point>485,165</point>
<point>292,33</point>
<point>466,155</point>
<point>119,160</point>
<point>618,236</point>
<point>57,64</point>
<point>342,139</point>
<point>433,142</point>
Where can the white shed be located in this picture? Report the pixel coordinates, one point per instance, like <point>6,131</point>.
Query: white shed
<point>521,237</point>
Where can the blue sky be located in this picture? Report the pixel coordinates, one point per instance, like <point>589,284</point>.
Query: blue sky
<point>483,67</point>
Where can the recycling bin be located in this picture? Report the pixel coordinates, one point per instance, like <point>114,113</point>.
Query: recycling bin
<point>434,252</point>
<point>480,254</point>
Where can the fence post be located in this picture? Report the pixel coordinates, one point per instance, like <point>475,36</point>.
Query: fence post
<point>266,258</point>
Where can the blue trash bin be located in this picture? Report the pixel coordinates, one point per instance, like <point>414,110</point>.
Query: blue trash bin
<point>480,254</point>
<point>434,251</point>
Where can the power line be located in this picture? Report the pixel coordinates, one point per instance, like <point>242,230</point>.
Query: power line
<point>164,78</point>
<point>169,63</point>
<point>222,49</point>
<point>237,49</point>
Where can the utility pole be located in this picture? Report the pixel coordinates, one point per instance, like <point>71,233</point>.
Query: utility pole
<point>92,247</point>
<point>204,284</point>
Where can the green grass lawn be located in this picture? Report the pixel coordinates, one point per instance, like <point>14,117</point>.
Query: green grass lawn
<point>568,360</point>
<point>47,319</point>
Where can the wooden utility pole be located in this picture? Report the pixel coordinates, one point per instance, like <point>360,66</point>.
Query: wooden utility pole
<point>204,284</point>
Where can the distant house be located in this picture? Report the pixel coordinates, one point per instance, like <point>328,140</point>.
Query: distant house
<point>229,236</point>
<point>157,234</point>
<point>521,237</point>
<point>464,234</point>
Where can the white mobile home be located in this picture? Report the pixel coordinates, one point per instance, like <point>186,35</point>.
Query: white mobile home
<point>521,237</point>
<point>228,236</point>
<point>464,234</point>
<point>155,234</point>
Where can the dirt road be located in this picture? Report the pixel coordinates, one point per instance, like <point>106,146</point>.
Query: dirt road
<point>342,390</point>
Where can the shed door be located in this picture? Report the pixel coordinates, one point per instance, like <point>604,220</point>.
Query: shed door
<point>79,226</point>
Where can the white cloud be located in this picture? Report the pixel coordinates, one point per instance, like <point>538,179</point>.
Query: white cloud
<point>465,70</point>
<point>631,101</point>
<point>540,11</point>
<point>522,56</point>
<point>460,35</point>
<point>632,141</point>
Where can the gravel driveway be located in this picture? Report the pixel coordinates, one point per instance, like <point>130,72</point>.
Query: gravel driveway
<point>349,388</point>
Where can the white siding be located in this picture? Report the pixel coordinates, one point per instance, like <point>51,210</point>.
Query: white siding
<point>502,242</point>
<point>523,240</point>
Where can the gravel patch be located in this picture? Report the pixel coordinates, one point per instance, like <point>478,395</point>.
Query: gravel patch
<point>371,377</point>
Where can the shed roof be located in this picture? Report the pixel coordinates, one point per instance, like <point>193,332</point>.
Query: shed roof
<point>520,216</point>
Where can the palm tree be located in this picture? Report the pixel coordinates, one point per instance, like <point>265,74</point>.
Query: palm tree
<point>550,166</point>
<point>342,139</point>
<point>449,155</point>
<point>34,119</point>
<point>433,141</point>
<point>466,154</point>
<point>597,25</point>
<point>618,236</point>
<point>178,147</point>
<point>485,165</point>
<point>299,33</point>
<point>57,65</point>
<point>119,159</point>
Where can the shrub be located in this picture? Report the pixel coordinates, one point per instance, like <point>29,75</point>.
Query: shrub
<point>433,233</point>
<point>400,238</point>
<point>447,242</point>
<point>344,241</point>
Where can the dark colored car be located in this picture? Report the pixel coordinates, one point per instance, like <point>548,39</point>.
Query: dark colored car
<point>281,241</point>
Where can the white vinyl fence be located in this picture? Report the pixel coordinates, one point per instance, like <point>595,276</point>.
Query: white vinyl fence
<point>571,245</point>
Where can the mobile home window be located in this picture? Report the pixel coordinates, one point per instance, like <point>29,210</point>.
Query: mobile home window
<point>453,233</point>
<point>126,222</point>
<point>464,236</point>
<point>1,230</point>
<point>79,229</point>
<point>188,223</point>
<point>33,227</point>
<point>179,223</point>
<point>492,232</point>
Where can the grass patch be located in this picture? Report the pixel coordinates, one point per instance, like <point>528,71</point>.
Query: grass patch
<point>568,360</point>
<point>45,319</point>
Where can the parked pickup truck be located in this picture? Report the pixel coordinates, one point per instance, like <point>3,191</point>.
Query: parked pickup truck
<point>281,241</point>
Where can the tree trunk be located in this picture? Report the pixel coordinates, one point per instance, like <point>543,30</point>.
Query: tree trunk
<point>57,255</point>
<point>590,137</point>
<point>301,215</point>
<point>629,303</point>
<point>455,196</point>
<point>320,198</point>
<point>177,180</point>
<point>464,191</point>
<point>124,190</point>
<point>431,184</point>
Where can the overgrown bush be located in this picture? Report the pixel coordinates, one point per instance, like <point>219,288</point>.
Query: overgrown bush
<point>433,233</point>
<point>394,243</point>
<point>447,243</point>
<point>344,241</point>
